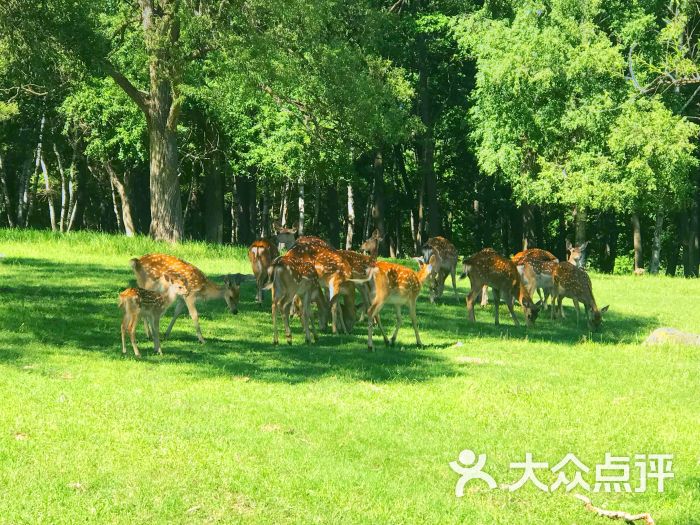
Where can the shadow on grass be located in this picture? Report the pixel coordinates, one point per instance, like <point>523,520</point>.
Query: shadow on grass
<point>75,306</point>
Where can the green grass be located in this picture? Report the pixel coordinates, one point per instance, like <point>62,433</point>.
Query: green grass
<point>241,431</point>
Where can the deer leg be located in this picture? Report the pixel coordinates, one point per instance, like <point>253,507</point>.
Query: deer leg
<point>577,310</point>
<point>496,304</point>
<point>179,308</point>
<point>132,334</point>
<point>414,321</point>
<point>125,323</point>
<point>453,274</point>
<point>275,336</point>
<point>305,317</point>
<point>147,329</point>
<point>485,295</point>
<point>155,330</point>
<point>286,310</point>
<point>398,324</point>
<point>560,307</point>
<point>191,306</point>
<point>470,304</point>
<point>373,312</point>
<point>509,303</point>
<point>378,319</point>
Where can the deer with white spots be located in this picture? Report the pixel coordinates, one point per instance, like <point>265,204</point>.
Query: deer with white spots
<point>488,268</point>
<point>397,285</point>
<point>261,254</point>
<point>371,245</point>
<point>442,255</point>
<point>151,268</point>
<point>292,278</point>
<point>573,282</point>
<point>137,303</point>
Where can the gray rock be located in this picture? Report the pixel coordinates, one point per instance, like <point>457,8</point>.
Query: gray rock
<point>667,335</point>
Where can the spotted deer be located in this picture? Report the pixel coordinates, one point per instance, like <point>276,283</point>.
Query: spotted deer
<point>442,255</point>
<point>577,254</point>
<point>371,245</point>
<point>150,269</point>
<point>284,237</point>
<point>574,282</point>
<point>140,303</point>
<point>489,268</point>
<point>292,278</point>
<point>335,275</point>
<point>261,254</point>
<point>533,254</point>
<point>397,285</point>
<point>537,276</point>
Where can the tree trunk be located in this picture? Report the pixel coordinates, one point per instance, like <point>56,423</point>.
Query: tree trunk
<point>656,244</point>
<point>265,226</point>
<point>317,205</point>
<point>214,201</point>
<point>580,217</point>
<point>609,227</point>
<point>637,241</point>
<point>126,217</point>
<point>49,193</point>
<point>64,191</point>
<point>6,195</point>
<point>333,217</point>
<point>378,204</point>
<point>351,219</point>
<point>421,214</point>
<point>301,209</point>
<point>368,213</point>
<point>528,227</point>
<point>694,236</point>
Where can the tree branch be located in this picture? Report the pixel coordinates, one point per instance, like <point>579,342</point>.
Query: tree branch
<point>139,97</point>
<point>615,514</point>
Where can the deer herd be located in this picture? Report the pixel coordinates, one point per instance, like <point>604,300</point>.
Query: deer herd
<point>318,283</point>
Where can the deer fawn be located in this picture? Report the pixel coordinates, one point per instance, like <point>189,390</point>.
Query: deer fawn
<point>442,255</point>
<point>577,254</point>
<point>573,282</point>
<point>261,254</point>
<point>137,302</point>
<point>397,285</point>
<point>489,268</point>
<point>371,245</point>
<point>150,268</point>
<point>292,278</point>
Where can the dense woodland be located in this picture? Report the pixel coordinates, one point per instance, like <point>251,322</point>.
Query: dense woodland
<point>500,123</point>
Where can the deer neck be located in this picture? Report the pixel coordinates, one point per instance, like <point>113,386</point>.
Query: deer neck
<point>211,290</point>
<point>523,294</point>
<point>423,273</point>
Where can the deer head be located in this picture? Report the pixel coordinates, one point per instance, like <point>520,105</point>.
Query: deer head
<point>284,236</point>
<point>577,254</point>
<point>231,291</point>
<point>371,245</point>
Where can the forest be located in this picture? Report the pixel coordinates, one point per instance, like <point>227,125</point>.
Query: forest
<point>500,123</point>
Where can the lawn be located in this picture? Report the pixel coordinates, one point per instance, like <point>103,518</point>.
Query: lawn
<point>241,431</point>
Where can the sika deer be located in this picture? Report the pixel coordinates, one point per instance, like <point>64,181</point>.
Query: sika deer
<point>150,268</point>
<point>137,302</point>
<point>577,254</point>
<point>571,281</point>
<point>397,285</point>
<point>533,254</point>
<point>489,268</point>
<point>537,276</point>
<point>284,237</point>
<point>292,278</point>
<point>261,254</point>
<point>371,245</point>
<point>442,255</point>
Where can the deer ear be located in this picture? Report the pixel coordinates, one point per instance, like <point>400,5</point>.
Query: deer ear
<point>584,245</point>
<point>294,230</point>
<point>604,309</point>
<point>568,245</point>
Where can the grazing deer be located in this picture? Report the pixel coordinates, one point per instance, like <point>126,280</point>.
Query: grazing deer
<point>261,254</point>
<point>284,237</point>
<point>335,274</point>
<point>397,285</point>
<point>574,282</point>
<point>489,268</point>
<point>442,255</point>
<point>150,268</point>
<point>137,302</point>
<point>292,278</point>
<point>533,254</point>
<point>371,245</point>
<point>577,254</point>
<point>537,276</point>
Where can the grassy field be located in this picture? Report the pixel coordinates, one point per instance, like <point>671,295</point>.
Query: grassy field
<point>241,431</point>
